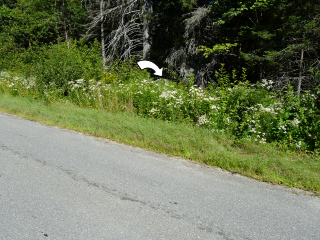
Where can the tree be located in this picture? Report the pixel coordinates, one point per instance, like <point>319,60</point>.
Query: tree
<point>38,22</point>
<point>275,39</point>
<point>299,56</point>
<point>180,28</point>
<point>124,27</point>
<point>71,18</point>
<point>31,22</point>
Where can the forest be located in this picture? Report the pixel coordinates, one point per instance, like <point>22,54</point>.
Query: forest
<point>247,68</point>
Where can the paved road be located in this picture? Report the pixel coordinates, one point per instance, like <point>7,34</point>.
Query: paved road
<point>57,184</point>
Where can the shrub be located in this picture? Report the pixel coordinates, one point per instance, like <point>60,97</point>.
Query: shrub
<point>234,107</point>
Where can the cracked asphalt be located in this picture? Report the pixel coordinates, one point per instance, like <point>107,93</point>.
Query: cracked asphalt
<point>58,184</point>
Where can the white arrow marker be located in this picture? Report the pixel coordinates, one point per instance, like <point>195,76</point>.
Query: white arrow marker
<point>148,64</point>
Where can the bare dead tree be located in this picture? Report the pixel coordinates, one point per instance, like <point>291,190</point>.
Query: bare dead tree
<point>126,38</point>
<point>124,27</point>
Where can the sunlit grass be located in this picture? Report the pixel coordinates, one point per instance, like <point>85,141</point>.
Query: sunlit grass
<point>259,161</point>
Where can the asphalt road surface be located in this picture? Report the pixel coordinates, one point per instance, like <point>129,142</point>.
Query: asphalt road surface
<point>58,184</point>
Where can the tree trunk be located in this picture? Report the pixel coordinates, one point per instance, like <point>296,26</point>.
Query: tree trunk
<point>147,41</point>
<point>261,74</point>
<point>300,72</point>
<point>65,25</point>
<point>66,33</point>
<point>103,50</point>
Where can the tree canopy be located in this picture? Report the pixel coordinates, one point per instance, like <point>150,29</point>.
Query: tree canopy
<point>273,39</point>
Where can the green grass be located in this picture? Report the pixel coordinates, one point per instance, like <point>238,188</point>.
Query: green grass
<point>262,162</point>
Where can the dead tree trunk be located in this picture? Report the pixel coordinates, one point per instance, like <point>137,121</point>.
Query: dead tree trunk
<point>103,50</point>
<point>147,40</point>
<point>124,24</point>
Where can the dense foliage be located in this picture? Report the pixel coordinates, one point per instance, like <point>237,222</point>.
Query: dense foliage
<point>249,68</point>
<point>240,110</point>
<point>272,39</point>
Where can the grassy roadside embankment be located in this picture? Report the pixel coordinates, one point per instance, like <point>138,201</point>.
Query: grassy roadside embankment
<point>258,161</point>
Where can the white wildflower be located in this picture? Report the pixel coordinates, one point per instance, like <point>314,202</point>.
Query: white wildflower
<point>266,109</point>
<point>154,110</point>
<point>298,144</point>
<point>202,120</point>
<point>197,92</point>
<point>168,94</point>
<point>313,96</point>
<point>295,122</point>
<point>263,140</point>
<point>80,81</point>
<point>267,83</point>
<point>211,99</point>
<point>179,101</point>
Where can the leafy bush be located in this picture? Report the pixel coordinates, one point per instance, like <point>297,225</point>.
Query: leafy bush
<point>60,65</point>
<point>55,66</point>
<point>127,71</point>
<point>234,106</point>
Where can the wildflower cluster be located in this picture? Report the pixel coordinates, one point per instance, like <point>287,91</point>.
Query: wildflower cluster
<point>267,83</point>
<point>242,110</point>
<point>15,85</point>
